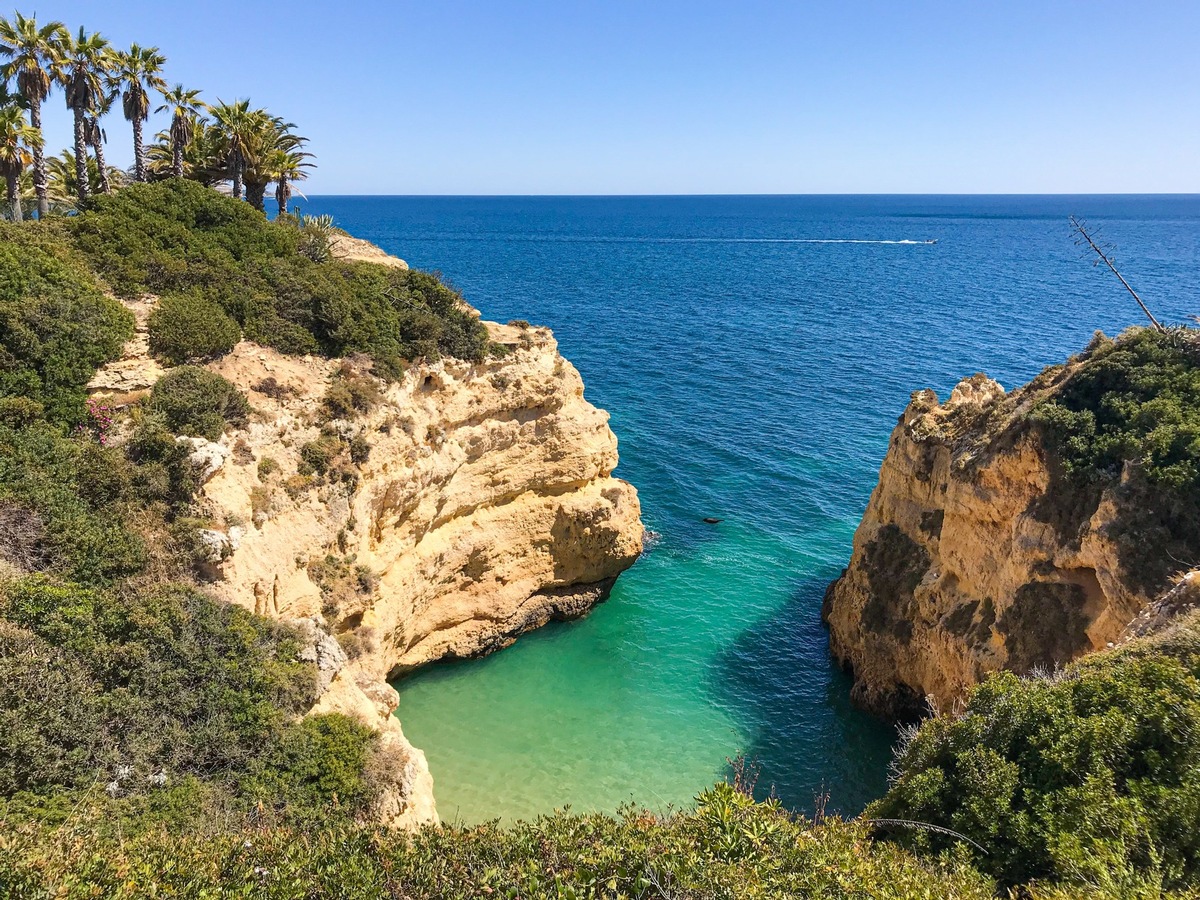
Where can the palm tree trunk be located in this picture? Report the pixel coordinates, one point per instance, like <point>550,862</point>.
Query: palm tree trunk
<point>139,151</point>
<point>98,146</point>
<point>283,193</point>
<point>255,191</point>
<point>176,158</point>
<point>39,160</point>
<point>237,183</point>
<point>14,197</point>
<point>81,155</point>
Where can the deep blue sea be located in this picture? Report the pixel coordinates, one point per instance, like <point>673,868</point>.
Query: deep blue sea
<point>754,353</point>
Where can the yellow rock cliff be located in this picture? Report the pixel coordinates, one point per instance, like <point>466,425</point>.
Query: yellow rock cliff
<point>480,504</point>
<point>962,564</point>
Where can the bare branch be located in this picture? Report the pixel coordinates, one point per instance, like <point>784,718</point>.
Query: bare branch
<point>925,826</point>
<point>1080,228</point>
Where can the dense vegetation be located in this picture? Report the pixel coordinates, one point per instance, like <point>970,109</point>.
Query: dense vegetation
<point>729,847</point>
<point>190,327</point>
<point>1090,777</point>
<point>219,260</point>
<point>198,403</point>
<point>56,325</point>
<point>1135,403</point>
<point>163,681</point>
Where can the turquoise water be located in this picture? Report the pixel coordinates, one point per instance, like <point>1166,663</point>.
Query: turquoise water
<point>754,362</point>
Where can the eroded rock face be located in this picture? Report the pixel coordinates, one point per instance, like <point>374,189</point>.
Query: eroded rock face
<point>136,371</point>
<point>966,560</point>
<point>485,507</point>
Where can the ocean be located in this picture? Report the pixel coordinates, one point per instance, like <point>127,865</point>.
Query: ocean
<point>754,353</point>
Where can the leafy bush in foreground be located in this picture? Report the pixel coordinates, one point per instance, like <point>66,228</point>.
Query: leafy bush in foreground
<point>187,327</point>
<point>168,680</point>
<point>729,847</point>
<point>65,502</point>
<point>197,402</point>
<point>56,327</point>
<point>160,691</point>
<point>1092,777</point>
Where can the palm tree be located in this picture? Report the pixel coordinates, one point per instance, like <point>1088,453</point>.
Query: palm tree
<point>34,54</point>
<point>184,107</point>
<point>137,72</point>
<point>63,179</point>
<point>17,139</point>
<point>285,167</point>
<point>202,157</point>
<point>237,123</point>
<point>97,138</point>
<point>270,136</point>
<point>83,75</point>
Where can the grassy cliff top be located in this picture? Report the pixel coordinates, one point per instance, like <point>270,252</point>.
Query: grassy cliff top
<point>222,271</point>
<point>1122,417</point>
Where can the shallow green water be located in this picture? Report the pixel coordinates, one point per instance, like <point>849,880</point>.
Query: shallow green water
<point>641,701</point>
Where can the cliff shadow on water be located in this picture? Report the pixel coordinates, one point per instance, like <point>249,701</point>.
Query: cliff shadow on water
<point>810,746</point>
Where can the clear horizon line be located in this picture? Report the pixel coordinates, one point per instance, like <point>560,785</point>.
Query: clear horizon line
<point>1180,194</point>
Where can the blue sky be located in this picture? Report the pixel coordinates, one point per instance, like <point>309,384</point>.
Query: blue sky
<point>450,96</point>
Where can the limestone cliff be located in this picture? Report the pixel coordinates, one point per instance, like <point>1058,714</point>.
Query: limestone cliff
<point>469,502</point>
<point>974,555</point>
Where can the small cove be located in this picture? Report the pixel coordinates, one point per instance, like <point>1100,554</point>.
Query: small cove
<point>754,353</point>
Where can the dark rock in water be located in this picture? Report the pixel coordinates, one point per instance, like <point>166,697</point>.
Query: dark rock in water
<point>651,540</point>
<point>711,521</point>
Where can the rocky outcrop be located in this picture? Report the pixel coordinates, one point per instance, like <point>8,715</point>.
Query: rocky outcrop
<point>352,249</point>
<point>136,371</point>
<point>464,504</point>
<point>1177,603</point>
<point>973,557</point>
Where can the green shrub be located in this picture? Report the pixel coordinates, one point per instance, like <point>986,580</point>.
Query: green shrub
<point>79,492</point>
<point>1133,401</point>
<point>167,680</point>
<point>318,761</point>
<point>360,449</point>
<point>180,237</point>
<point>56,326</point>
<point>18,411</point>
<point>1092,777</point>
<point>350,393</point>
<point>50,714</point>
<point>317,456</point>
<point>728,848</point>
<point>187,327</point>
<point>1136,399</point>
<point>175,235</point>
<point>164,473</point>
<point>197,402</point>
